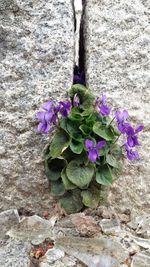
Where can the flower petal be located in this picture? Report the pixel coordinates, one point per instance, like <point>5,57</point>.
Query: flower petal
<point>40,116</point>
<point>100,144</point>
<point>139,128</point>
<point>121,116</point>
<point>48,105</point>
<point>93,155</point>
<point>89,144</point>
<point>104,99</point>
<point>104,110</point>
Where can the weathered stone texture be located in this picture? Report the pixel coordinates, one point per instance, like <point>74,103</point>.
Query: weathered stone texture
<point>117,46</point>
<point>36,64</point>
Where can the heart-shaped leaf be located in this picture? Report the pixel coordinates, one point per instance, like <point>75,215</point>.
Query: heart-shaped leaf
<point>76,147</point>
<point>68,185</point>
<point>91,197</point>
<point>60,142</point>
<point>105,133</point>
<point>104,175</point>
<point>79,173</point>
<point>72,201</point>
<point>57,188</point>
<point>53,168</point>
<point>111,160</point>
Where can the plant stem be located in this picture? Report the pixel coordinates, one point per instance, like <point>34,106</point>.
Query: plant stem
<point>111,122</point>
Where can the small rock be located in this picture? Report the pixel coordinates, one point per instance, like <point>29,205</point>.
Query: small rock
<point>110,226</point>
<point>85,225</point>
<point>142,225</point>
<point>104,246</point>
<point>141,260</point>
<point>8,219</point>
<point>51,256</point>
<point>33,228</point>
<point>94,260</point>
<point>144,243</point>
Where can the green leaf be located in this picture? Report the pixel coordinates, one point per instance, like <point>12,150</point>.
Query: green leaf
<point>76,147</point>
<point>53,168</point>
<point>85,129</point>
<point>111,160</point>
<point>60,142</point>
<point>105,133</point>
<point>91,197</point>
<point>57,188</point>
<point>79,173</point>
<point>104,175</point>
<point>72,201</point>
<point>116,151</point>
<point>68,185</point>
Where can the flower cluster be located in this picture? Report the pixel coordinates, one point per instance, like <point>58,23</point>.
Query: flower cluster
<point>49,116</point>
<point>125,128</point>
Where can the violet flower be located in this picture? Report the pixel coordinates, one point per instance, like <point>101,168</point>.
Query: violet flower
<point>102,105</point>
<point>121,117</point>
<point>132,139</point>
<point>131,155</point>
<point>94,150</point>
<point>46,118</point>
<point>64,108</point>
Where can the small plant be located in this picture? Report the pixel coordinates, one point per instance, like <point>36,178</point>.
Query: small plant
<point>84,154</point>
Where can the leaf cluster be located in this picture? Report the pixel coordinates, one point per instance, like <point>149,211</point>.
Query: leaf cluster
<point>73,178</point>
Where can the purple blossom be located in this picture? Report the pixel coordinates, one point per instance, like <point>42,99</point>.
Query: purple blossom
<point>46,118</point>
<point>102,105</point>
<point>131,155</point>
<point>132,139</point>
<point>76,101</point>
<point>64,108</point>
<point>94,150</point>
<point>121,117</point>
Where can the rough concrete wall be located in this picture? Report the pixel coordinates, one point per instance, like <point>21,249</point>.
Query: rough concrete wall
<point>36,64</point>
<point>117,45</point>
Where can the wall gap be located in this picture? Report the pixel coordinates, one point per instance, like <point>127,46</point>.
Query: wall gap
<point>79,7</point>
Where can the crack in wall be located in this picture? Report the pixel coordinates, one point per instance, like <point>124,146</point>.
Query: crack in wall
<point>79,7</point>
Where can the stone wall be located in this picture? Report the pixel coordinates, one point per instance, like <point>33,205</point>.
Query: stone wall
<point>117,43</point>
<point>36,64</point>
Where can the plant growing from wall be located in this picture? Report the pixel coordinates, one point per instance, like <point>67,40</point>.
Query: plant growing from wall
<point>84,154</point>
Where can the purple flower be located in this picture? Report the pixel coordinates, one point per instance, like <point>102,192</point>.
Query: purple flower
<point>46,118</point>
<point>102,105</point>
<point>64,108</point>
<point>132,139</point>
<point>121,117</point>
<point>94,150</point>
<point>131,155</point>
<point>76,101</point>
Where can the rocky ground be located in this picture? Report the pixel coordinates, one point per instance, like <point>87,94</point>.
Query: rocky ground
<point>97,238</point>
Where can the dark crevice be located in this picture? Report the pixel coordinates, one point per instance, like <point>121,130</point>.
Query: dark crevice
<point>81,42</point>
<point>79,70</point>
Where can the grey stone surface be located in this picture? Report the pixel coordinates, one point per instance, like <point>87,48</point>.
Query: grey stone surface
<point>117,51</point>
<point>8,219</point>
<point>36,64</point>
<point>14,253</point>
